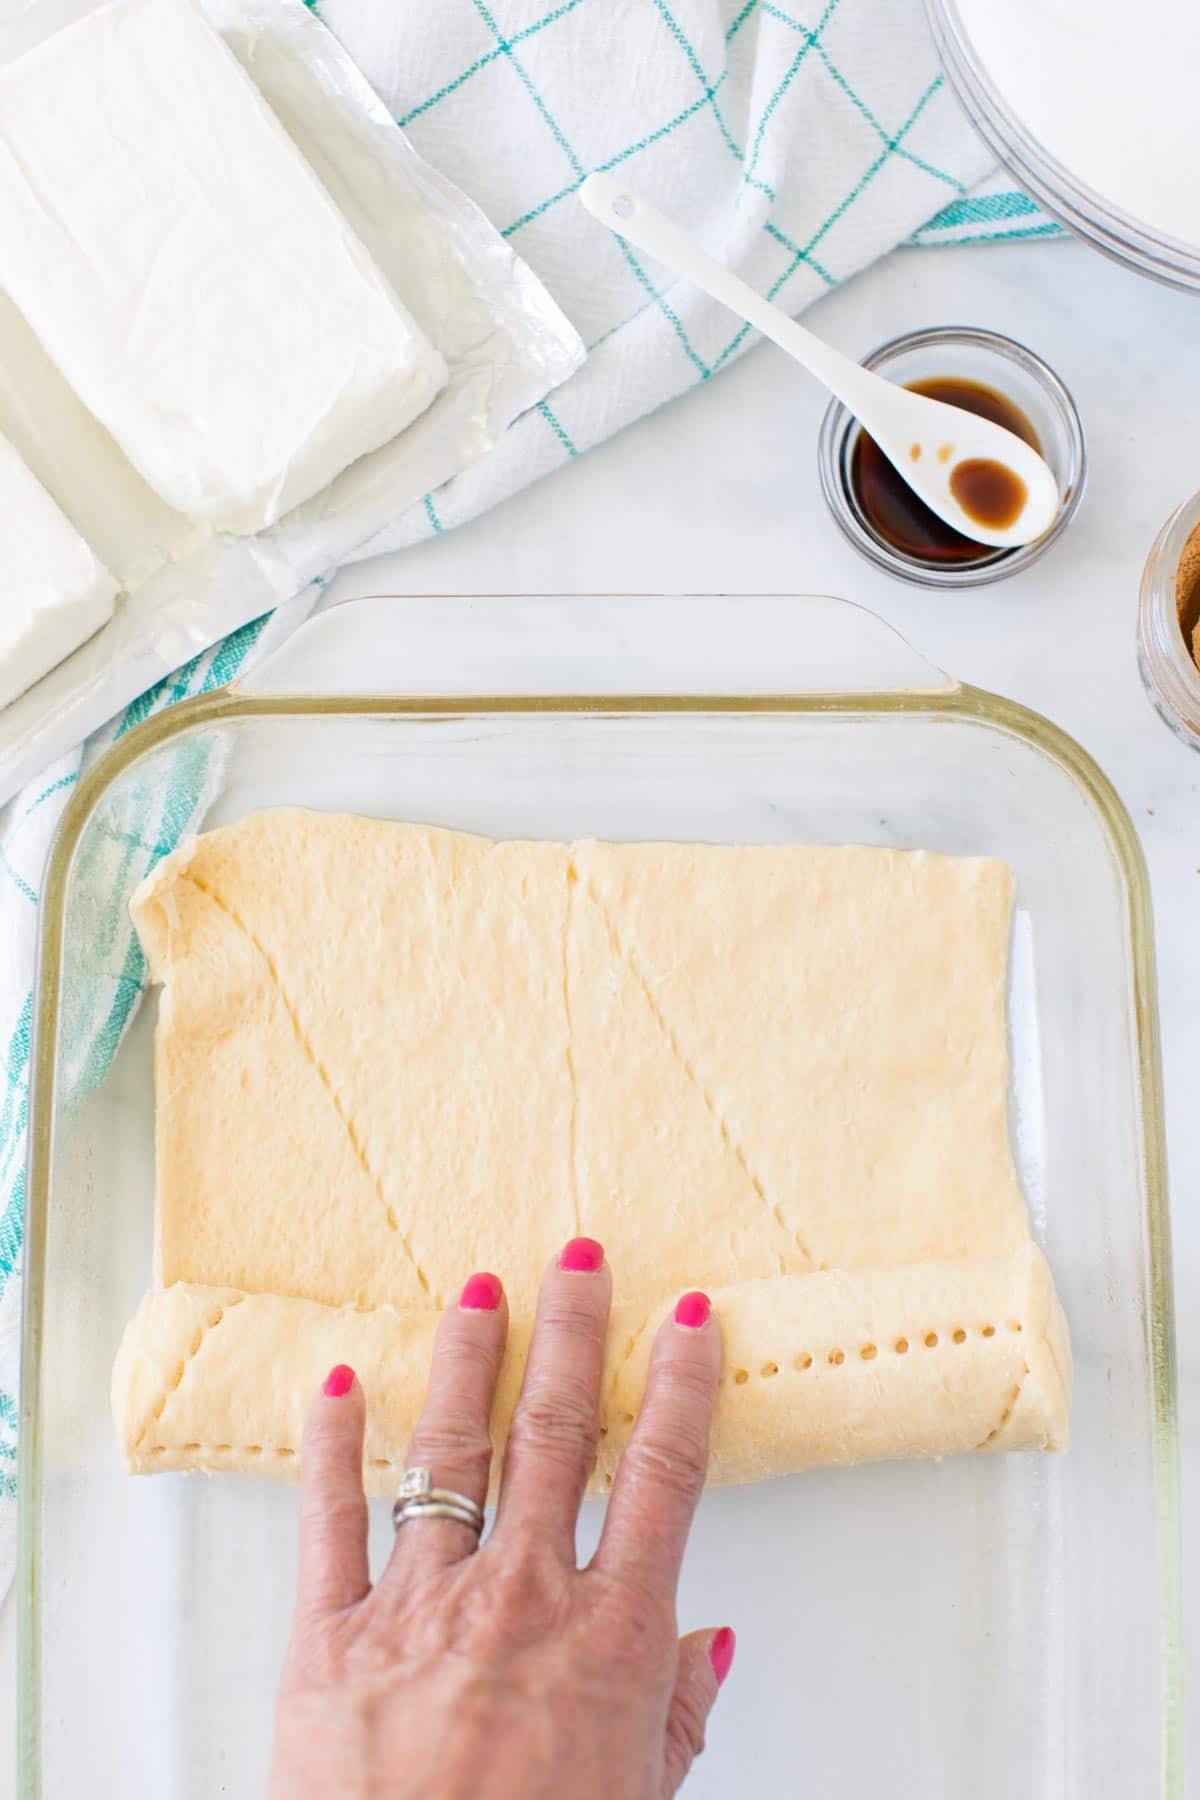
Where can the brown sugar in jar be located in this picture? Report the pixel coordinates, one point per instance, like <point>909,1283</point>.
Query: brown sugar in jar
<point>1169,623</point>
<point>1187,593</point>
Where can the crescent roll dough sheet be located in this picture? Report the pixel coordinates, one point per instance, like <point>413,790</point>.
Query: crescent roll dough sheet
<point>388,1054</point>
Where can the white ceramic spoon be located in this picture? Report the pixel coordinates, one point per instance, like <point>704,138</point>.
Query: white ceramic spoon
<point>928,441</point>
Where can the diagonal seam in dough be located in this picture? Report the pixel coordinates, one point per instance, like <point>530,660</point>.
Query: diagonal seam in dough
<point>610,1392</point>
<point>1046,1338</point>
<point>1009,1408</point>
<point>625,954</point>
<point>323,1076</point>
<point>201,1338</point>
<point>631,1346</point>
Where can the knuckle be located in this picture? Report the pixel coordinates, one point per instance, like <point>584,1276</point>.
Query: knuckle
<point>672,1461</point>
<point>690,1715</point>
<point>466,1350</point>
<point>556,1423</point>
<point>451,1447</point>
<point>326,1443</point>
<point>526,1570</point>
<point>685,1731</point>
<point>686,1383</point>
<point>328,1518</point>
<point>572,1314</point>
<point>634,1625</point>
<point>525,1600</point>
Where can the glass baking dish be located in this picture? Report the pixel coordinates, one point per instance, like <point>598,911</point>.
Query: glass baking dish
<point>1001,1627</point>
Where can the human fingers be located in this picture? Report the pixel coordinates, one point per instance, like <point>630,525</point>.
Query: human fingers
<point>705,1659</point>
<point>453,1437</point>
<point>661,1474</point>
<point>555,1426</point>
<point>333,1571</point>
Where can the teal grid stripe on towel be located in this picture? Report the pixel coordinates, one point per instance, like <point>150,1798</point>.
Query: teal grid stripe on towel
<point>993,213</point>
<point>27,827</point>
<point>799,143</point>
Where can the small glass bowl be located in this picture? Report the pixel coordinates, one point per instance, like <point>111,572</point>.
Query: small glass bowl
<point>1168,673</point>
<point>968,354</point>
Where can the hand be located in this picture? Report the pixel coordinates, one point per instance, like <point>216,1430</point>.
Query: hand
<point>506,1672</point>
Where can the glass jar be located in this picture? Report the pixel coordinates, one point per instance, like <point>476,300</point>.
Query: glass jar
<point>961,352</point>
<point>1168,672</point>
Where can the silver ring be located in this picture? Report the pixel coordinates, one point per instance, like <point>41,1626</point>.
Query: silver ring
<point>435,1509</point>
<point>417,1498</point>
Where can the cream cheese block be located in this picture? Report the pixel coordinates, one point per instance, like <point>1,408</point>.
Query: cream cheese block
<point>53,592</point>
<point>188,273</point>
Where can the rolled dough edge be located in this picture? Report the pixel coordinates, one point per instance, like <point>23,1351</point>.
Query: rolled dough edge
<point>837,1367</point>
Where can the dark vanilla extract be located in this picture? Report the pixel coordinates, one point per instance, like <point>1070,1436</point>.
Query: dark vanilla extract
<point>986,490</point>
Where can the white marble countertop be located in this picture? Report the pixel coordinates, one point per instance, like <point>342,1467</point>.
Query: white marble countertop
<point>719,493</point>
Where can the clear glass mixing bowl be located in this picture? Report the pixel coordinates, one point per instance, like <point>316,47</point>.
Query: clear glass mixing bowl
<point>1095,219</point>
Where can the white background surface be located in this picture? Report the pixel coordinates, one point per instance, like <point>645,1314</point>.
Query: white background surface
<point>719,492</point>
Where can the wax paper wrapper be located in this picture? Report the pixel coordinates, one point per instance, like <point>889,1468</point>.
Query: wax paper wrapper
<point>505,341</point>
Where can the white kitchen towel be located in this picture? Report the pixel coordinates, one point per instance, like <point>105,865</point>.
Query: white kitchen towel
<point>798,144</point>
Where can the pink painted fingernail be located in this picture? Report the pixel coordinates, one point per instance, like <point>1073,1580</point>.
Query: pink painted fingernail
<point>721,1651</point>
<point>692,1310</point>
<point>582,1256</point>
<point>481,1294</point>
<point>339,1381</point>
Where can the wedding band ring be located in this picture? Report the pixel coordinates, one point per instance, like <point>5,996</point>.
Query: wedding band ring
<point>435,1509</point>
<point>417,1498</point>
